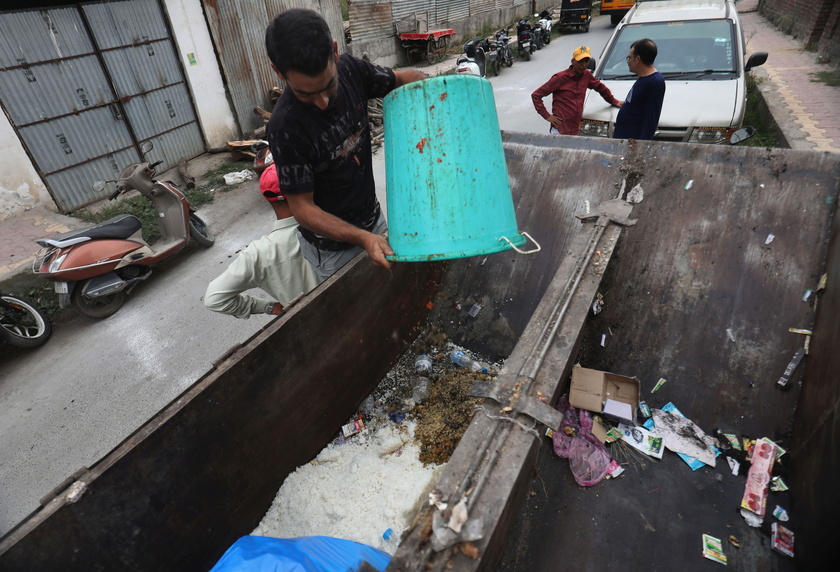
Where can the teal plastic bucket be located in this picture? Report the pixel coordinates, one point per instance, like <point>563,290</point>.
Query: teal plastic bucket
<point>447,187</point>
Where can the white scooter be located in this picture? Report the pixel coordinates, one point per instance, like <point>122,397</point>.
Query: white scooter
<point>544,25</point>
<point>474,60</point>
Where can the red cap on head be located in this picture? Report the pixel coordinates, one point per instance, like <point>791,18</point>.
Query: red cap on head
<point>270,186</point>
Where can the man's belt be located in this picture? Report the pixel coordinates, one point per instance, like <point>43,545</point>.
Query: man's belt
<point>330,245</point>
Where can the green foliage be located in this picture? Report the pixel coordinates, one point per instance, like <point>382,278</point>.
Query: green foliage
<point>43,295</point>
<point>765,135</point>
<point>831,78</point>
<point>345,11</point>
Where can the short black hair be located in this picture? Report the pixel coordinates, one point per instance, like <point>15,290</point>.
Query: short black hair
<point>645,49</point>
<point>299,40</point>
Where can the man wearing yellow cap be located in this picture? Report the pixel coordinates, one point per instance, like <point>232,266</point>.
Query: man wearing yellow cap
<point>568,91</point>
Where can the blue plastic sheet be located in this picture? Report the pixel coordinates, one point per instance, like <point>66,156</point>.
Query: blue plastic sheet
<point>305,554</point>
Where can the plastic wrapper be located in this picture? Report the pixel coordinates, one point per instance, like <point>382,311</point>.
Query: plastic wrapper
<point>588,458</point>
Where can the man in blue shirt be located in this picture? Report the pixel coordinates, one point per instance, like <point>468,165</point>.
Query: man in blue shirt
<point>639,116</point>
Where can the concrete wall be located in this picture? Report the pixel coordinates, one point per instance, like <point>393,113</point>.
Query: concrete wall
<point>21,187</point>
<point>813,22</point>
<point>189,28</point>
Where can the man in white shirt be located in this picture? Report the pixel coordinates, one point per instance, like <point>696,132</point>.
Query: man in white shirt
<point>274,263</point>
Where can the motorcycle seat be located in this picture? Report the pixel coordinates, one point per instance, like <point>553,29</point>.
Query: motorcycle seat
<point>120,226</point>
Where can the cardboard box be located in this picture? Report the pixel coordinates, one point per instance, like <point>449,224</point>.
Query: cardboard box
<point>592,388</point>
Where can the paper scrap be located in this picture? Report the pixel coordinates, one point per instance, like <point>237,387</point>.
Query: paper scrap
<point>681,435</point>
<point>733,440</point>
<point>734,465</point>
<point>758,481</point>
<point>778,485</point>
<point>614,469</point>
<point>769,238</point>
<point>659,384</point>
<point>642,439</point>
<point>782,539</point>
<point>713,549</point>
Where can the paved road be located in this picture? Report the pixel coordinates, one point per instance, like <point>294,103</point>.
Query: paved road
<point>69,403</point>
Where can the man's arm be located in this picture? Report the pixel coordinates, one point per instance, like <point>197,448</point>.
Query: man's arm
<point>548,88</point>
<point>311,216</point>
<point>407,76</point>
<point>605,92</point>
<point>224,294</point>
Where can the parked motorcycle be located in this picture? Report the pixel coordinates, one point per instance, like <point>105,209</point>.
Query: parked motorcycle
<point>22,324</point>
<point>503,52</point>
<point>480,57</point>
<point>97,267</point>
<point>536,30</point>
<point>544,25</point>
<point>473,61</point>
<point>525,39</point>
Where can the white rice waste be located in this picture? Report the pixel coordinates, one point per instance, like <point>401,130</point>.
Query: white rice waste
<point>356,491</point>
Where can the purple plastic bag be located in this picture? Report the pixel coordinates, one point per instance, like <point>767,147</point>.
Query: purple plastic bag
<point>588,458</point>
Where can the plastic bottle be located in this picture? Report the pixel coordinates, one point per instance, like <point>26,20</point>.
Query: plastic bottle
<point>462,359</point>
<point>423,364</point>
<point>420,391</point>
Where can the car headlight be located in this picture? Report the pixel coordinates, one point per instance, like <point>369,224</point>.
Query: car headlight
<point>708,135</point>
<point>594,128</point>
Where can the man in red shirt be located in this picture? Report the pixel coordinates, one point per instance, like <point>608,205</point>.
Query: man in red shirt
<point>568,91</point>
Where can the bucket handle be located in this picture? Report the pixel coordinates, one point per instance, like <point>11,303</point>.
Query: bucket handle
<point>529,237</point>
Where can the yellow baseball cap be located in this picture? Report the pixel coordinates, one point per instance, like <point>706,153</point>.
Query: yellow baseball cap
<point>582,52</point>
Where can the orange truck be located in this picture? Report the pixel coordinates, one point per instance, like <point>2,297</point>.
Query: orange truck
<point>616,9</point>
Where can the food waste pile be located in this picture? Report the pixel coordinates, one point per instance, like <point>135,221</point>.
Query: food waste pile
<point>367,484</point>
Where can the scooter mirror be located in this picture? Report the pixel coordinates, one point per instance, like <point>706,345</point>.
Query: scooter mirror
<point>146,147</point>
<point>99,186</point>
<point>591,65</point>
<point>741,134</point>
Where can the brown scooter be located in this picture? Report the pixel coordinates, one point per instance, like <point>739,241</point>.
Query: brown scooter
<point>96,267</point>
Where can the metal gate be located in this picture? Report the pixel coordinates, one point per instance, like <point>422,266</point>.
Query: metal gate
<point>238,30</point>
<point>85,85</point>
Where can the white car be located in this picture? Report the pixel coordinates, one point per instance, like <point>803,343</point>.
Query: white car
<point>701,54</point>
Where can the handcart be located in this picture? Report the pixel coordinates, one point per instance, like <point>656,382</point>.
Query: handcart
<point>577,13</point>
<point>430,45</point>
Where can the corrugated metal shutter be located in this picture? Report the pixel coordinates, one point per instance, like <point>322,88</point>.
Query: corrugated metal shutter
<point>450,10</point>
<point>140,57</point>
<point>479,8</point>
<point>238,30</point>
<point>61,100</point>
<point>371,20</point>
<point>425,10</point>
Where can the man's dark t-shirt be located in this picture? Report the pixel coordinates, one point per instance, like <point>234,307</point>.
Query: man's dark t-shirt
<point>639,116</point>
<point>328,152</point>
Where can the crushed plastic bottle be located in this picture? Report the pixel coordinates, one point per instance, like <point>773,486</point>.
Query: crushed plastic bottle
<point>462,359</point>
<point>367,405</point>
<point>420,390</point>
<point>423,364</point>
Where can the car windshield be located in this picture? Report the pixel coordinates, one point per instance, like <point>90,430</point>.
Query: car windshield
<point>702,49</point>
